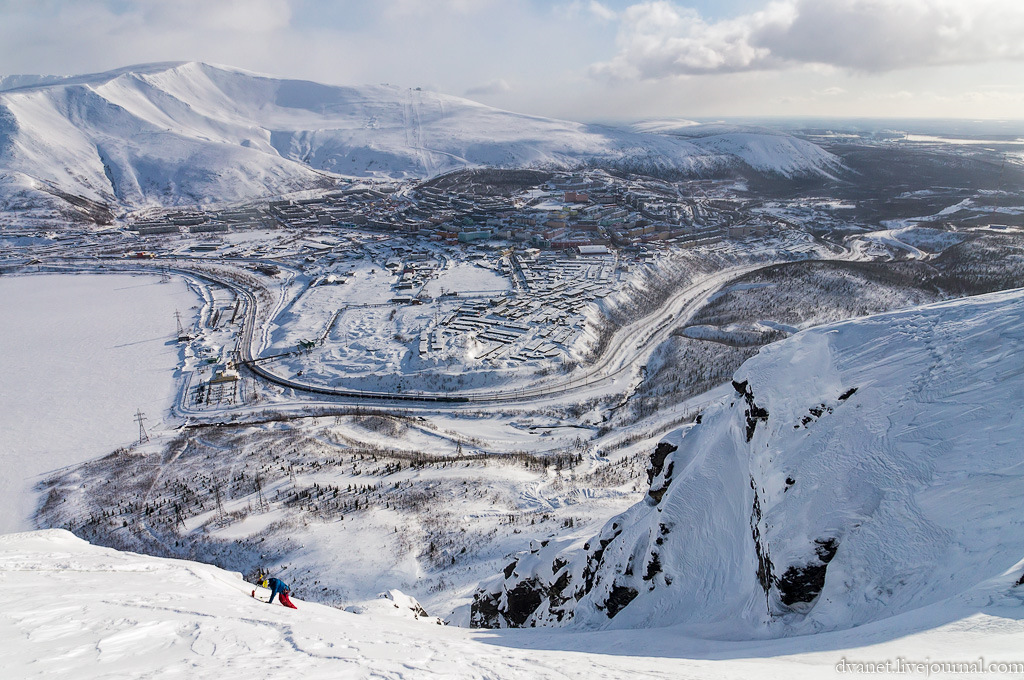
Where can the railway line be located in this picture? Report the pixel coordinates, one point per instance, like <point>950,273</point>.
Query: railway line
<point>628,345</point>
<point>623,356</point>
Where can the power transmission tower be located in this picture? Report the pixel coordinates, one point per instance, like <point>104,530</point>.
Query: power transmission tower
<point>177,317</point>
<point>220,503</point>
<point>139,417</point>
<point>259,490</point>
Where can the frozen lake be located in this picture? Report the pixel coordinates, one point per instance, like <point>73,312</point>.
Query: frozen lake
<point>79,354</point>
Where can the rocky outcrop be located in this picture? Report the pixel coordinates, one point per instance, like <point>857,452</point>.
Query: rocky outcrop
<point>549,584</point>
<point>753,413</point>
<point>829,513</point>
<point>659,475</point>
<point>800,586</point>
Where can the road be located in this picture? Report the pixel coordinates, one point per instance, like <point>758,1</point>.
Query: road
<point>617,366</point>
<point>625,352</point>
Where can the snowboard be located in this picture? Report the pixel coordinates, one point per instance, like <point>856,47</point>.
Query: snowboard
<point>261,594</point>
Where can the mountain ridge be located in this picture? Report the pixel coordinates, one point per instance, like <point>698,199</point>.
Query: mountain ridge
<point>857,471</point>
<point>189,133</point>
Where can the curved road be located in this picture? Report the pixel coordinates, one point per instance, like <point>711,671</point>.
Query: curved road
<point>629,344</point>
<point>625,351</point>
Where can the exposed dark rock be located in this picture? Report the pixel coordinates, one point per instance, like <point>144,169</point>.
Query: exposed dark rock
<point>653,567</point>
<point>419,611</point>
<point>826,549</point>
<point>656,493</point>
<point>1020,581</point>
<point>802,585</point>
<point>618,599</point>
<point>765,568</point>
<point>556,593</point>
<point>754,413</point>
<point>657,463</point>
<point>847,394</point>
<point>483,613</point>
<point>522,601</point>
<point>590,571</point>
<point>530,595</point>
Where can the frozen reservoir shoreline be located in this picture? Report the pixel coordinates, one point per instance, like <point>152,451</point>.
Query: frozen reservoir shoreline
<point>79,354</point>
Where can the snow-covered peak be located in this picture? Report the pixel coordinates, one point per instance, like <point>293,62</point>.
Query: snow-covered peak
<point>14,82</point>
<point>856,472</point>
<point>189,132</point>
<point>664,125</point>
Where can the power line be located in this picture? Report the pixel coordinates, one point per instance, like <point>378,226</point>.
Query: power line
<point>139,417</point>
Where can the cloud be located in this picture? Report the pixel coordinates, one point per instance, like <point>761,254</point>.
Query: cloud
<point>585,9</point>
<point>497,86</point>
<point>664,39</point>
<point>600,11</point>
<point>397,8</point>
<point>257,16</point>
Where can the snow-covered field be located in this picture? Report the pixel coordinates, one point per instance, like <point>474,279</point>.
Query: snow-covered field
<point>79,354</point>
<point>74,610</point>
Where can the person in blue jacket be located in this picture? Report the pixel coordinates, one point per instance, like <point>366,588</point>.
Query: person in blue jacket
<point>277,587</point>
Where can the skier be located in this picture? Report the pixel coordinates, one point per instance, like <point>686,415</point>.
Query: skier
<point>277,587</point>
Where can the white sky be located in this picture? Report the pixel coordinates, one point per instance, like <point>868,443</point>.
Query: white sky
<point>580,59</point>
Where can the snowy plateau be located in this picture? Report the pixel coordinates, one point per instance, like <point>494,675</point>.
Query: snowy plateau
<point>500,396</point>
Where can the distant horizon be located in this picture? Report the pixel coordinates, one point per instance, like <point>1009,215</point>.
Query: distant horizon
<point>932,124</point>
<point>573,59</point>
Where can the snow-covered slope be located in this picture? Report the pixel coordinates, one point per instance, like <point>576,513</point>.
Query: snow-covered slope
<point>191,133</point>
<point>72,610</point>
<point>18,81</point>
<point>857,472</point>
<point>761,148</point>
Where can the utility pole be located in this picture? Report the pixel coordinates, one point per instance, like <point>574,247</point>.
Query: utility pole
<point>139,417</point>
<point>259,490</point>
<point>178,519</point>
<point>220,503</point>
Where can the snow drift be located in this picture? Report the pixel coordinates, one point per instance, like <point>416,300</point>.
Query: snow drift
<point>191,133</point>
<point>858,471</point>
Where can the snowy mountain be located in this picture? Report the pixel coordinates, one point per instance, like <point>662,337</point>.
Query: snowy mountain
<point>191,133</point>
<point>858,471</point>
<point>763,149</point>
